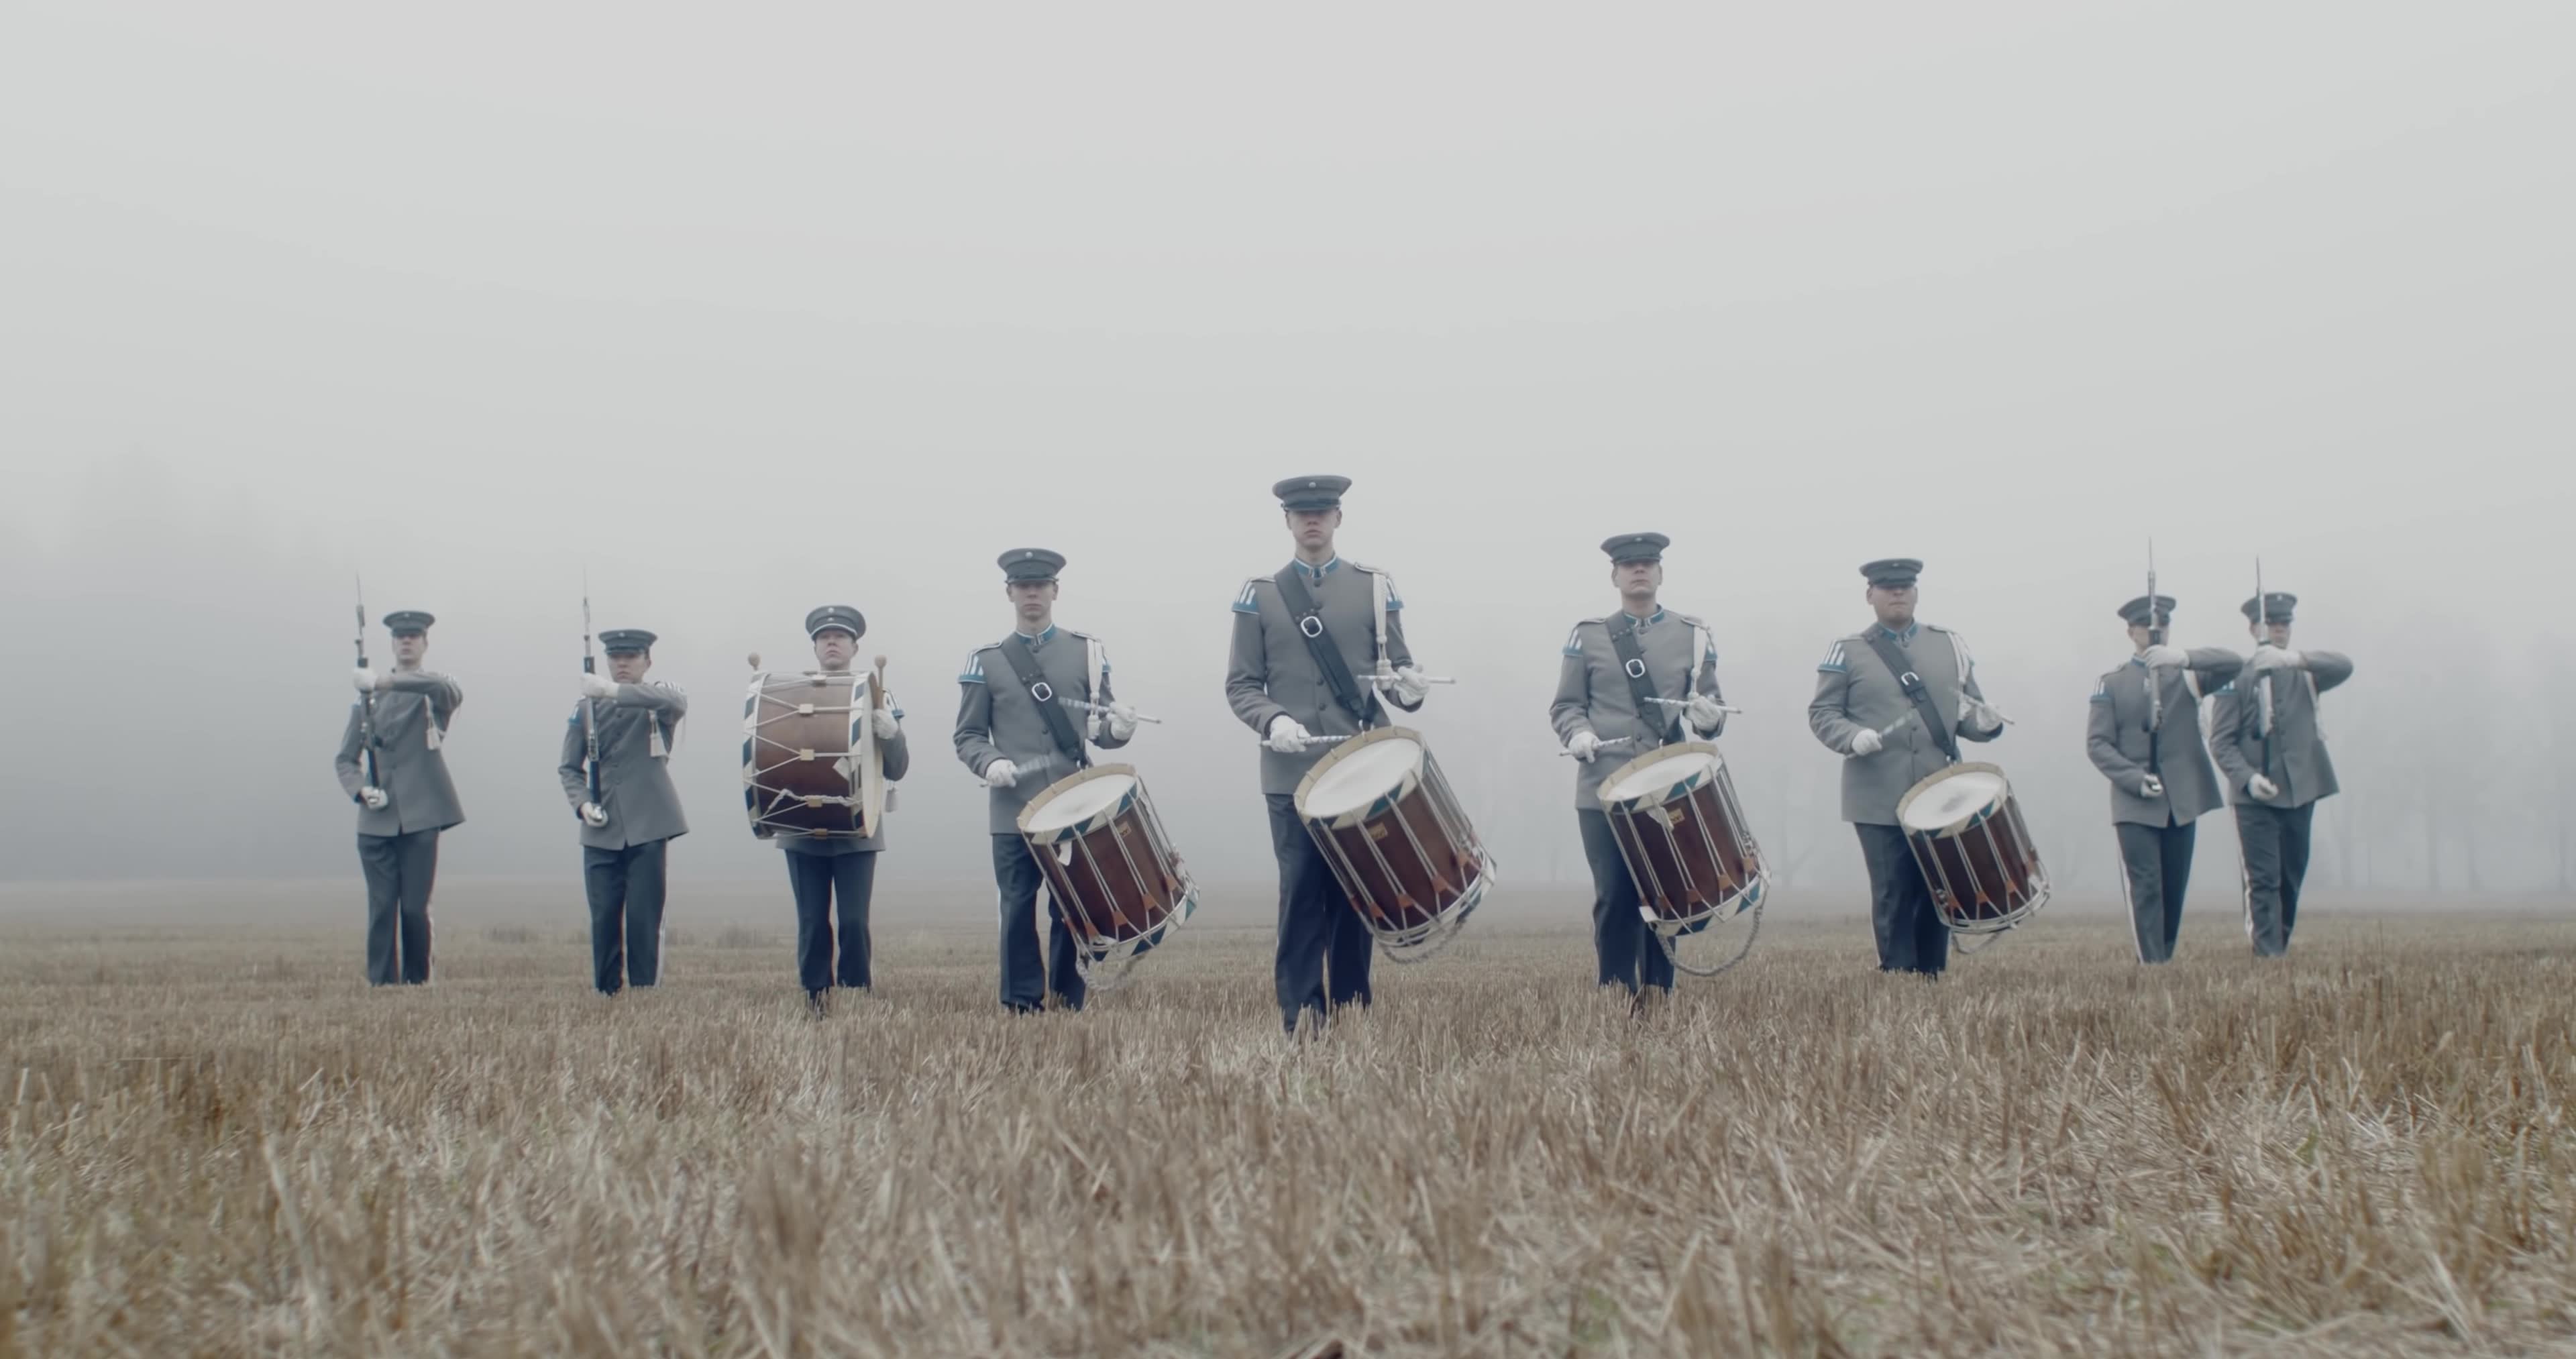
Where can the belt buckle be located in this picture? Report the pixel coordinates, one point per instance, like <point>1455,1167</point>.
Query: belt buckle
<point>1042,691</point>
<point>1312,625</point>
<point>1637,668</point>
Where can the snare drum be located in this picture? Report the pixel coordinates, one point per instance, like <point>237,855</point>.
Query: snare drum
<point>1976,854</point>
<point>809,757</point>
<point>1109,868</point>
<point>1686,841</point>
<point>1397,840</point>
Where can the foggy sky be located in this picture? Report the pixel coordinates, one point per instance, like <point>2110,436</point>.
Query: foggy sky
<point>744,312</point>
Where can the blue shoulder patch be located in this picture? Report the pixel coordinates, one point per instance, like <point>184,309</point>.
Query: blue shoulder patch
<point>1244,602</point>
<point>1574,641</point>
<point>1835,660</point>
<point>973,671</point>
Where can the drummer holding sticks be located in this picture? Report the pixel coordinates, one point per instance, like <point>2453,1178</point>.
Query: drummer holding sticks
<point>1025,706</point>
<point>1895,699</point>
<point>1629,682</point>
<point>1318,653</point>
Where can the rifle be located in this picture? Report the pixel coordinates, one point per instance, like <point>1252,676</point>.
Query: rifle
<point>589,718</point>
<point>2155,684</point>
<point>367,701</point>
<point>2262,638</point>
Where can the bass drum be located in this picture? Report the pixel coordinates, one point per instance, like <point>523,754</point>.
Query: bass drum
<point>809,756</point>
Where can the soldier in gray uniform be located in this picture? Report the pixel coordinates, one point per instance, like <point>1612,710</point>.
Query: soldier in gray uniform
<point>1602,716</point>
<point>1318,651</point>
<point>391,765</point>
<point>822,866</point>
<point>629,821</point>
<point>2263,729</point>
<point>1895,699</point>
<point>2144,735</point>
<point>1018,732</point>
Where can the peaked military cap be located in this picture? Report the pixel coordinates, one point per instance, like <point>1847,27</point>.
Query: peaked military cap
<point>1637,547</point>
<point>2274,604</point>
<point>2135,611</point>
<point>1311,493</point>
<point>408,620</point>
<point>1031,563</point>
<point>622,640</point>
<point>840,616</point>
<point>1892,571</point>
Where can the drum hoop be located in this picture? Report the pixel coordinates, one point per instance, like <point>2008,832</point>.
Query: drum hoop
<point>1066,785</point>
<point>1663,752</point>
<point>1341,752</point>
<point>1943,774</point>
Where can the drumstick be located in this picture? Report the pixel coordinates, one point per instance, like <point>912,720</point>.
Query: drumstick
<point>1684,703</point>
<point>1041,762</point>
<point>1311,740</point>
<point>1613,741</point>
<point>1392,680</point>
<point>1071,702</point>
<point>755,660</point>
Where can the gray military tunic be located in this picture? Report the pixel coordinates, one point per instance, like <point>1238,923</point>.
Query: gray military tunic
<point>1270,670</point>
<point>636,729</point>
<point>2299,767</point>
<point>1593,693</point>
<point>997,718</point>
<point>2120,742</point>
<point>1855,690</point>
<point>410,728</point>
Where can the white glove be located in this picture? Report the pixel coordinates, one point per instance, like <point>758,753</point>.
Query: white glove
<point>1704,713</point>
<point>1978,715</point>
<point>1411,686</point>
<point>1584,746</point>
<point>364,679</point>
<point>1288,736</point>
<point>597,686</point>
<point>2276,658</point>
<point>2162,657</point>
<point>1867,741</point>
<point>2151,786</point>
<point>1122,722</point>
<point>1002,774</point>
<point>595,814</point>
<point>2262,788</point>
<point>882,719</point>
<point>375,798</point>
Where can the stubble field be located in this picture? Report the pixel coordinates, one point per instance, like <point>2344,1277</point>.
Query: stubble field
<point>218,1142</point>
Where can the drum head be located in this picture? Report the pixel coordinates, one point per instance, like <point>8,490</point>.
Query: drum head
<point>1079,803</point>
<point>1361,777</point>
<point>1655,775</point>
<point>1941,803</point>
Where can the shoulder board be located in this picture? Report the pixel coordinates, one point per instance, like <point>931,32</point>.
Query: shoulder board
<point>2102,690</point>
<point>1394,600</point>
<point>1838,657</point>
<point>1574,637</point>
<point>1691,618</point>
<point>972,672</point>
<point>1083,635</point>
<point>1243,599</point>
